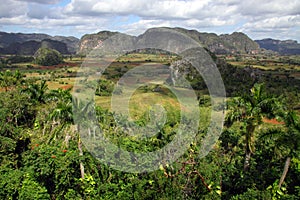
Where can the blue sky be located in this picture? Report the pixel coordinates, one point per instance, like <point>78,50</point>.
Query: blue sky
<point>279,19</point>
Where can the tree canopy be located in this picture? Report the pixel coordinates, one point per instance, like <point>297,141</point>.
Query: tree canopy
<point>47,57</point>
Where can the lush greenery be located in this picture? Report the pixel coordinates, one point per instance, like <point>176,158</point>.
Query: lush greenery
<point>47,57</point>
<point>42,157</point>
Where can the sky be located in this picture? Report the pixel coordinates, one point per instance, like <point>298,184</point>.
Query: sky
<point>278,19</point>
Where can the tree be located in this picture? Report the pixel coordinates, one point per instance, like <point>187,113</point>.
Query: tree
<point>37,91</point>
<point>81,111</point>
<point>10,80</point>
<point>291,139</point>
<point>287,141</point>
<point>250,110</point>
<point>47,57</point>
<point>60,95</point>
<point>63,114</point>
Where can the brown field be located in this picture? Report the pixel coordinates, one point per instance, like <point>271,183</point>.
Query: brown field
<point>272,121</point>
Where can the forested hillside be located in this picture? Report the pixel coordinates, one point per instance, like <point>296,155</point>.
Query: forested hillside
<point>28,44</point>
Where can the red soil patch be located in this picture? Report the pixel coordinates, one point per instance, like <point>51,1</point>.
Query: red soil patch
<point>272,121</point>
<point>67,64</point>
<point>58,66</point>
<point>66,87</point>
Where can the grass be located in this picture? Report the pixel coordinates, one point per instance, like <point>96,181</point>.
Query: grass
<point>272,64</point>
<point>142,102</point>
<point>139,57</point>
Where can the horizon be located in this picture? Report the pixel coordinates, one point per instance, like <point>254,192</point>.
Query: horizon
<point>278,19</point>
<point>145,31</point>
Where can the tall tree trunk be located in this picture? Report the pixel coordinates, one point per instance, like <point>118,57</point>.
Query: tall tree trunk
<point>67,138</point>
<point>248,142</point>
<point>80,163</point>
<point>80,154</point>
<point>285,170</point>
<point>247,160</point>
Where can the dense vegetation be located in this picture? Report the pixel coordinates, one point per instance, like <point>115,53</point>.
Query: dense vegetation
<point>256,157</point>
<point>47,57</point>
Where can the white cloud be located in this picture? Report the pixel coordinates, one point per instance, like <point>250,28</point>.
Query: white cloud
<point>285,22</point>
<point>192,14</point>
<point>19,20</point>
<point>277,27</point>
<point>41,1</point>
<point>257,18</point>
<point>265,8</point>
<point>140,26</point>
<point>41,11</point>
<point>12,8</point>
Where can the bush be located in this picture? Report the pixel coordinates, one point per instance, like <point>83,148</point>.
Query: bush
<point>20,59</point>
<point>253,194</point>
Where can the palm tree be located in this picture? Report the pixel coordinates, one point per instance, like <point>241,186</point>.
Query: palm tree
<point>81,113</point>
<point>68,111</point>
<point>63,114</point>
<point>250,110</point>
<point>6,79</point>
<point>38,91</point>
<point>60,95</point>
<point>288,140</point>
<point>17,78</point>
<point>9,79</point>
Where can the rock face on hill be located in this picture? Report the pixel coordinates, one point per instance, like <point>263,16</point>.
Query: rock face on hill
<point>220,44</point>
<point>28,44</point>
<point>285,47</point>
<point>90,41</point>
<point>224,44</point>
<point>241,43</point>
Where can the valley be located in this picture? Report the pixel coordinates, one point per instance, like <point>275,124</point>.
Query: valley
<point>69,132</point>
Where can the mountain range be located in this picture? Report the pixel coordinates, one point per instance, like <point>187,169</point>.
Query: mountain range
<point>28,44</point>
<point>237,42</point>
<point>222,44</point>
<point>283,47</point>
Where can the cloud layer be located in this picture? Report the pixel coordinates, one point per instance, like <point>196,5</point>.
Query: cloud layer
<point>259,19</point>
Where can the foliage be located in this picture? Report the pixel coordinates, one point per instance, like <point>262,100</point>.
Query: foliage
<point>9,79</point>
<point>104,87</point>
<point>250,110</point>
<point>40,157</point>
<point>47,57</point>
<point>253,194</point>
<point>20,59</point>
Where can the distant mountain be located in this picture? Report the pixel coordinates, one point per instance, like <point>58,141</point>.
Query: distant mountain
<point>241,43</point>
<point>71,42</point>
<point>30,47</point>
<point>27,44</point>
<point>284,47</point>
<point>89,41</point>
<point>237,42</point>
<point>223,44</point>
